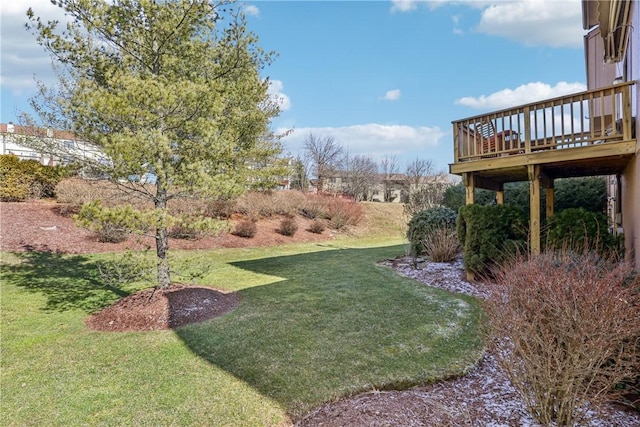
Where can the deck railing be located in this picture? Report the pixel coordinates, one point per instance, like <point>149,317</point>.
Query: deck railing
<point>581,119</point>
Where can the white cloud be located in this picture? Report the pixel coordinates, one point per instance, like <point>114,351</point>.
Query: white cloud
<point>403,5</point>
<point>374,140</point>
<point>22,56</point>
<point>553,23</point>
<point>392,95</point>
<point>251,10</point>
<point>275,91</point>
<point>523,94</point>
<point>535,22</point>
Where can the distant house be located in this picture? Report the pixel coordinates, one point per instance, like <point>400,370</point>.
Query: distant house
<point>592,133</point>
<point>61,146</point>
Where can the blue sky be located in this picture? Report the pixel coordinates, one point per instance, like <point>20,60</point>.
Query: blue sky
<point>381,77</point>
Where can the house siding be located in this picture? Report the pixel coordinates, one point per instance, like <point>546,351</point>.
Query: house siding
<point>631,176</point>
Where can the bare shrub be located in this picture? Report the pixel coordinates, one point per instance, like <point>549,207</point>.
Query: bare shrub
<point>315,207</point>
<point>288,202</point>
<point>245,228</point>
<point>338,212</point>
<point>76,191</point>
<point>288,227</point>
<point>256,204</point>
<point>565,328</point>
<point>220,208</point>
<point>343,213</point>
<point>317,226</point>
<point>441,244</point>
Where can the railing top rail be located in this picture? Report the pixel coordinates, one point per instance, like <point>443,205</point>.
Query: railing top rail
<point>520,108</point>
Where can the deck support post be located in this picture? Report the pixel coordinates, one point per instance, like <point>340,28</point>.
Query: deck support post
<point>469,181</point>
<point>500,197</point>
<point>534,200</point>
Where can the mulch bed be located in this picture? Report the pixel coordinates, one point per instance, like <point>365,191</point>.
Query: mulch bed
<point>153,309</point>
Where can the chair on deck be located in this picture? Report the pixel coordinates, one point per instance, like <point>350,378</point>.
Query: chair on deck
<point>492,141</point>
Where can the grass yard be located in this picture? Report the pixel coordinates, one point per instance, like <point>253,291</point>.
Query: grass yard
<point>316,322</point>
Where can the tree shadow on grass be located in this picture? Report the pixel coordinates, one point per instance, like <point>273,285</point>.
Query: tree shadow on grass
<point>67,281</point>
<point>331,323</point>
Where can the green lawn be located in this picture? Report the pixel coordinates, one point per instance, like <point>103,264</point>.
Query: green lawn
<point>316,322</point>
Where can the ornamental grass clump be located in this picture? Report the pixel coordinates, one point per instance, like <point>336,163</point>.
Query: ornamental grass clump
<point>565,327</point>
<point>441,245</point>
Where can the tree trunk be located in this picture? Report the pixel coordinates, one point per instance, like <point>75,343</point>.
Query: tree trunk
<point>162,239</point>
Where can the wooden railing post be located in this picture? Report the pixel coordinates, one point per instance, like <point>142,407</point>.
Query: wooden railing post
<point>626,113</point>
<point>527,129</point>
<point>456,143</point>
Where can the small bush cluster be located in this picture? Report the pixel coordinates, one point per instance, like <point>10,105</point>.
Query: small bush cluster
<point>317,226</point>
<point>288,227</point>
<point>266,204</point>
<point>256,204</point>
<point>566,330</point>
<point>245,228</point>
<point>21,180</point>
<point>288,202</point>
<point>425,222</point>
<point>339,213</point>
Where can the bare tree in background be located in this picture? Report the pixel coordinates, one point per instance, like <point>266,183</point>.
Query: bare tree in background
<point>388,168</point>
<point>425,186</point>
<point>361,172</point>
<point>325,156</point>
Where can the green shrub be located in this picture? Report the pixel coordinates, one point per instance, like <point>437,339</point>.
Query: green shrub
<point>245,228</point>
<point>454,197</point>
<point>317,226</point>
<point>578,229</point>
<point>588,193</point>
<point>489,234</point>
<point>28,179</point>
<point>426,222</point>
<point>288,227</point>
<point>112,225</point>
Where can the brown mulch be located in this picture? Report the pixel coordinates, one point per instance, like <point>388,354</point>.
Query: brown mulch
<point>168,308</point>
<point>39,226</point>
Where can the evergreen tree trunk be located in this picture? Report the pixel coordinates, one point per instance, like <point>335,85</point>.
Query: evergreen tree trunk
<point>162,238</point>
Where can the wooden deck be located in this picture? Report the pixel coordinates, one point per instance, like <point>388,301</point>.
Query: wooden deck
<point>569,136</point>
<point>584,134</point>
